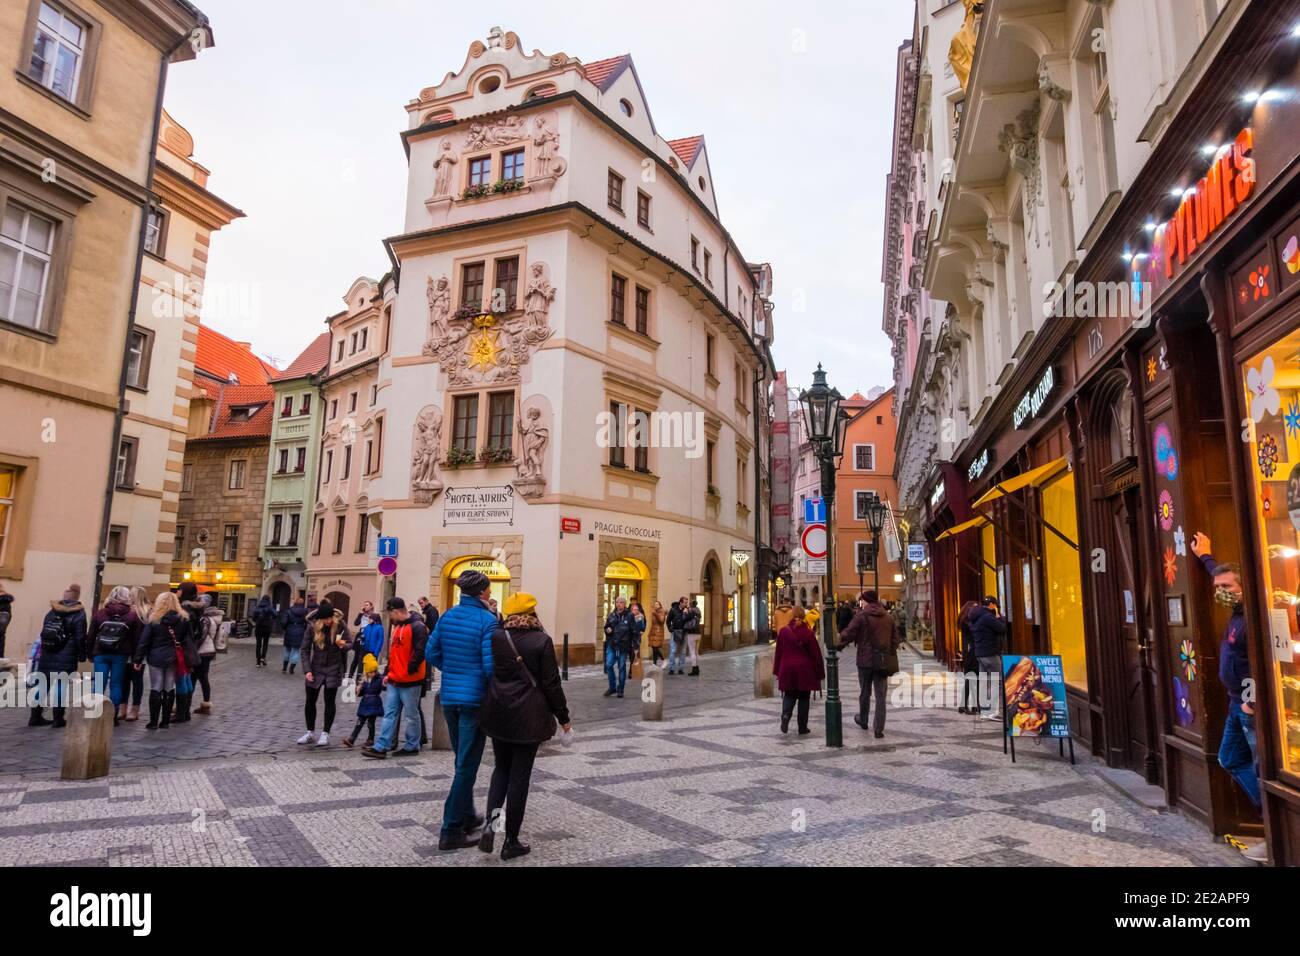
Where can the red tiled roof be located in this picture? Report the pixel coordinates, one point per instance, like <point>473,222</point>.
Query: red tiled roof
<point>220,356</point>
<point>687,148</point>
<point>230,397</point>
<point>313,359</point>
<point>604,72</point>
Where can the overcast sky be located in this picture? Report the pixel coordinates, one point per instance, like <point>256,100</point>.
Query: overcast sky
<point>297,112</point>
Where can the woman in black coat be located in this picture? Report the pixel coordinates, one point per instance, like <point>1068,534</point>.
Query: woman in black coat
<point>163,645</point>
<point>969,663</point>
<point>524,700</point>
<point>324,656</point>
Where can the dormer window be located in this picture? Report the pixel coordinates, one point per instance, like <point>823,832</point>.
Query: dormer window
<point>540,92</point>
<point>243,413</point>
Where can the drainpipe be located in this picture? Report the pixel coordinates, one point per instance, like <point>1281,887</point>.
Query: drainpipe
<point>106,516</point>
<point>760,624</point>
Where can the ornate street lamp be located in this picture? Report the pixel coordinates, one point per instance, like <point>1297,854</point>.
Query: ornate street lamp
<point>826,428</point>
<point>876,514</point>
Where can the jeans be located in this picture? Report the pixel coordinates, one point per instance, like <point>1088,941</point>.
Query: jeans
<point>162,678</point>
<point>115,666</point>
<point>291,657</point>
<point>511,775</point>
<point>788,701</point>
<point>467,742</point>
<point>401,702</point>
<point>677,652</point>
<point>1237,753</point>
<point>615,663</point>
<point>871,681</point>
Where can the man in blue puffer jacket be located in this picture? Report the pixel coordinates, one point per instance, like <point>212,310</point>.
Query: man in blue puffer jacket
<point>461,648</point>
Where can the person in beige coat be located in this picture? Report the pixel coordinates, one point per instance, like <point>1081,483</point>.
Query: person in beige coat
<point>657,630</point>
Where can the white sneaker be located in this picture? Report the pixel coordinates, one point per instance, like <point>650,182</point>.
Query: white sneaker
<point>1257,853</point>
<point>992,715</point>
<point>306,738</point>
<point>324,740</point>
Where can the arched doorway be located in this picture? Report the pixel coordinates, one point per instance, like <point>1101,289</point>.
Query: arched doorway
<point>341,602</point>
<point>625,578</point>
<point>281,596</point>
<point>713,607</point>
<point>497,574</point>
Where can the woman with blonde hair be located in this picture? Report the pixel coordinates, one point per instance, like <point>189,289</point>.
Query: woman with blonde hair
<point>163,646</point>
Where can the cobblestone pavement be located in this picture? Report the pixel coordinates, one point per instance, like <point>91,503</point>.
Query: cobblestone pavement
<point>716,783</point>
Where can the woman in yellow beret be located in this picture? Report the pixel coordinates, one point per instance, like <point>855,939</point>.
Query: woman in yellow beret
<point>523,703</point>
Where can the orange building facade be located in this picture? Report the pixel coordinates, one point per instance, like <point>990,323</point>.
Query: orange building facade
<point>867,468</point>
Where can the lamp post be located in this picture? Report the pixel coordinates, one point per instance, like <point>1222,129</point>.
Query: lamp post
<point>826,425</point>
<point>876,522</point>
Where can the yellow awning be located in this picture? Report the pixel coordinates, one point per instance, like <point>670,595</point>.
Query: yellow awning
<point>979,522</point>
<point>1030,479</point>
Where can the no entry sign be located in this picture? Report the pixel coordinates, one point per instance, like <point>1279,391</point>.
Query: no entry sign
<point>814,540</point>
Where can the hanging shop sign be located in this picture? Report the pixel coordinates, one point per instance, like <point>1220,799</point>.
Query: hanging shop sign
<point>980,465</point>
<point>492,505</point>
<point>1035,399</point>
<point>916,553</point>
<point>739,558</point>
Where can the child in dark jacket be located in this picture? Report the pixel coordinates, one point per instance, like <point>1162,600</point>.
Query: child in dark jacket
<point>370,703</point>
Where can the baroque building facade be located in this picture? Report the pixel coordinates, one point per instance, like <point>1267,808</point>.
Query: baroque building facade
<point>579,365</point>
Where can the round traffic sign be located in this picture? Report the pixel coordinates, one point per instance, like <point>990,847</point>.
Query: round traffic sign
<point>814,540</point>
<point>388,567</point>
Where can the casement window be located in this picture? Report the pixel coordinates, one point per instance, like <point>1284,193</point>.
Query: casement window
<point>379,444</point>
<point>501,421</point>
<point>282,464</point>
<point>866,560</point>
<point>352,402</point>
<point>480,171</point>
<point>365,334</point>
<point>339,356</point>
<point>641,441</point>
<point>60,44</point>
<point>8,496</point>
<point>643,209</point>
<point>318,536</point>
<point>340,526</point>
<point>117,542</point>
<point>286,407</point>
<point>618,300</point>
<point>329,465</point>
<point>710,456</point>
<point>861,500</point>
<point>464,435</point>
<point>370,456</point>
<point>471,285</point>
<point>512,166</point>
<point>643,310</point>
<point>617,452</point>
<point>137,359</point>
<point>293,531</point>
<point>238,475</point>
<point>26,259</point>
<point>614,191</point>
<point>178,543</point>
<point>741,482</point>
<point>347,463</point>
<point>124,476</point>
<point>17,488</point>
<point>374,395</point>
<point>155,232</point>
<point>710,354</point>
<point>864,457</point>
<point>187,478</point>
<point>277,526</point>
<point>505,290</point>
<point>740,384</point>
<point>305,407</point>
<point>334,408</point>
<point>695,254</point>
<point>708,267</point>
<point>363,534</point>
<point>352,344</point>
<point>300,466</point>
<point>230,543</point>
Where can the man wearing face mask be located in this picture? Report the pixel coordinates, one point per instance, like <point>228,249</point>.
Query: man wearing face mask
<point>1237,753</point>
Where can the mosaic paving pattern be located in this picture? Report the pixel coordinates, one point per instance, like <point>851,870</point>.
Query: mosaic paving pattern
<point>717,784</point>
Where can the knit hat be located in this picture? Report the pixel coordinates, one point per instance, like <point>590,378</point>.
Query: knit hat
<point>189,591</point>
<point>75,591</point>
<point>473,583</point>
<point>519,603</point>
<point>370,664</point>
<point>324,611</point>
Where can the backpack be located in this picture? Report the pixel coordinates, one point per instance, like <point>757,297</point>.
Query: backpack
<point>54,634</point>
<point>111,634</point>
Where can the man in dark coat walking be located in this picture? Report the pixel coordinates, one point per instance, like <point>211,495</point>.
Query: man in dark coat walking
<point>988,630</point>
<point>877,640</point>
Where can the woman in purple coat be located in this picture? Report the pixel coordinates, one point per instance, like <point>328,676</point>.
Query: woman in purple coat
<point>798,668</point>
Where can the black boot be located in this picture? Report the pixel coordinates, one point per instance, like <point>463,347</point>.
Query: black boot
<point>183,708</point>
<point>37,718</point>
<point>58,718</point>
<point>695,671</point>
<point>486,840</point>
<point>785,723</point>
<point>155,706</point>
<point>168,698</point>
<point>514,848</point>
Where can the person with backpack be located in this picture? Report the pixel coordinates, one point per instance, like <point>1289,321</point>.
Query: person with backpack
<point>62,648</point>
<point>263,623</point>
<point>162,646</point>
<point>691,625</point>
<point>294,625</point>
<point>677,628</point>
<point>110,643</point>
<point>206,641</point>
<point>523,703</point>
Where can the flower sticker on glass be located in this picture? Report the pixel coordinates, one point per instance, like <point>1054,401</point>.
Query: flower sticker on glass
<point>1268,455</point>
<point>1259,282</point>
<point>1166,456</point>
<point>1292,418</point>
<point>1151,369</point>
<point>1264,398</point>
<point>1187,657</point>
<point>1183,704</point>
<point>1165,508</point>
<point>1291,255</point>
<point>1180,542</point>
<point>1171,567</point>
<point>1266,502</point>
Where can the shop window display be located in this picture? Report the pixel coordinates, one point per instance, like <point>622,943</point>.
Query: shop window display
<point>1272,387</point>
<point>1063,581</point>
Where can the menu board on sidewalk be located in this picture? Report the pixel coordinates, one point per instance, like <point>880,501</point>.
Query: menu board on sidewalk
<point>1034,696</point>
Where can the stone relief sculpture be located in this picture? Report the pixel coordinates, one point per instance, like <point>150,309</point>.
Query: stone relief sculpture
<point>545,143</point>
<point>538,296</point>
<point>439,295</point>
<point>1019,141</point>
<point>534,435</point>
<point>502,133</point>
<point>1048,86</point>
<point>445,167</point>
<point>426,453</point>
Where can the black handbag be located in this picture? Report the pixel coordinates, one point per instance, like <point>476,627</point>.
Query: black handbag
<point>514,697</point>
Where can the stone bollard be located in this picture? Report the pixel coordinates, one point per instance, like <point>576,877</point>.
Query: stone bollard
<point>88,738</point>
<point>652,693</point>
<point>439,739</point>
<point>764,685</point>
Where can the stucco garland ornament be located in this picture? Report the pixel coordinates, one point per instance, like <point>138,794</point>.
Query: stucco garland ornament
<point>425,457</point>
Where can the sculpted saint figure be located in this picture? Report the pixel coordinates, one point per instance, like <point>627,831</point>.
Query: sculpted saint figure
<point>545,141</point>
<point>533,437</point>
<point>444,166</point>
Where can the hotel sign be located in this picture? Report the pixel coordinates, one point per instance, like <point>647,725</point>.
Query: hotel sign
<point>493,505</point>
<point>1033,401</point>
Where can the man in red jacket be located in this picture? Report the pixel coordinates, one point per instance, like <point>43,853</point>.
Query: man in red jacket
<point>404,680</point>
